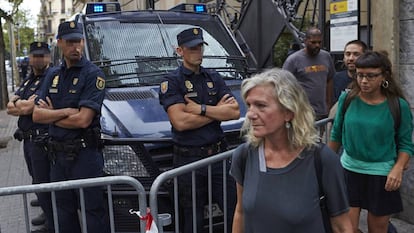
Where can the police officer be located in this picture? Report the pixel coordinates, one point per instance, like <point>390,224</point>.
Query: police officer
<point>196,101</point>
<point>70,102</point>
<point>34,135</point>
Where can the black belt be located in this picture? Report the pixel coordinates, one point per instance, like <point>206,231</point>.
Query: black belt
<point>203,151</point>
<point>70,148</point>
<point>29,134</point>
<point>66,145</point>
<point>34,132</point>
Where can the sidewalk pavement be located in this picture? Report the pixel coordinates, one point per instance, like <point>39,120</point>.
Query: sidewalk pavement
<point>13,172</point>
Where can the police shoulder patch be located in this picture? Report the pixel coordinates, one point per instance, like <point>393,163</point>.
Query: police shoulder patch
<point>100,83</point>
<point>164,87</point>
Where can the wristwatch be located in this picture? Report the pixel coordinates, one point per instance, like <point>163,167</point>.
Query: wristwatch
<point>203,110</point>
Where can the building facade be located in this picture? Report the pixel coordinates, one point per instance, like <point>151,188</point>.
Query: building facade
<point>52,13</point>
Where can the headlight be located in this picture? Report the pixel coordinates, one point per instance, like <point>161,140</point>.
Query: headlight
<point>122,160</point>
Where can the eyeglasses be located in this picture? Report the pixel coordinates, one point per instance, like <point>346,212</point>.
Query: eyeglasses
<point>369,76</point>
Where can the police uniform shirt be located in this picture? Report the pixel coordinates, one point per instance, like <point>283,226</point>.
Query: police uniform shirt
<point>82,85</point>
<point>28,87</point>
<point>207,87</point>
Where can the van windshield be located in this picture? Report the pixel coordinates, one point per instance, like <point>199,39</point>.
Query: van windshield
<point>137,53</point>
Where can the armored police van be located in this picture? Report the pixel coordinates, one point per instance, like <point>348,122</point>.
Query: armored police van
<point>135,50</point>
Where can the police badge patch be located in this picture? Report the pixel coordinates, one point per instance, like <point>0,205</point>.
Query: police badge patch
<point>189,86</point>
<point>100,83</point>
<point>164,87</point>
<point>55,81</point>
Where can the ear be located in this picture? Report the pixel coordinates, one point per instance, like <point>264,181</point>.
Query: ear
<point>289,115</point>
<point>59,42</point>
<point>179,51</point>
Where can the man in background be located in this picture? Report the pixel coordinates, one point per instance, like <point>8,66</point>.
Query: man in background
<point>314,69</point>
<point>342,79</point>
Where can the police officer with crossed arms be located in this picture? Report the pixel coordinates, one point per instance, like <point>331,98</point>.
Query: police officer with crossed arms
<point>34,135</point>
<point>196,101</point>
<point>70,102</point>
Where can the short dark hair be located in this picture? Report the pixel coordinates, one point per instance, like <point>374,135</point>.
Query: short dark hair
<point>313,31</point>
<point>358,42</point>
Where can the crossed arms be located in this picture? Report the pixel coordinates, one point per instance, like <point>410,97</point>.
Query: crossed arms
<point>69,118</point>
<point>187,116</point>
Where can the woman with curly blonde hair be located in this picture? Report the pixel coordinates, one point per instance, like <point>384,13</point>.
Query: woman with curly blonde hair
<point>277,185</point>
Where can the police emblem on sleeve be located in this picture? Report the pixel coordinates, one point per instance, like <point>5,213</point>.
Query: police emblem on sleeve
<point>164,87</point>
<point>100,83</point>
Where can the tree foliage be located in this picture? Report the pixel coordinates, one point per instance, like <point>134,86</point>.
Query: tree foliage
<point>23,34</point>
<point>7,15</point>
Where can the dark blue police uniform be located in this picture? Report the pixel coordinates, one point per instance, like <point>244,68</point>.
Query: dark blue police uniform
<point>207,87</point>
<point>35,135</point>
<point>29,131</point>
<point>34,138</point>
<point>77,153</point>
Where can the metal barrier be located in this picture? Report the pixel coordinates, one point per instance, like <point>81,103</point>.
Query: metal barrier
<point>173,174</point>
<point>324,127</point>
<point>80,184</point>
<point>321,125</point>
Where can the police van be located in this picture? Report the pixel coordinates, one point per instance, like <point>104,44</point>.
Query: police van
<point>135,49</point>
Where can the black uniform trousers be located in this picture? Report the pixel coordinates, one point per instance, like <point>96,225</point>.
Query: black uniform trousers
<point>38,165</point>
<point>185,193</point>
<point>87,164</point>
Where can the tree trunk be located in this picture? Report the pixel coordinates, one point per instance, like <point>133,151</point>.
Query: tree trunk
<point>4,94</point>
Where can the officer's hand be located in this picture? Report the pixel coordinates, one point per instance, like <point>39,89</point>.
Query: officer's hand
<point>226,99</point>
<point>191,106</point>
<point>15,97</point>
<point>45,104</point>
<point>32,97</point>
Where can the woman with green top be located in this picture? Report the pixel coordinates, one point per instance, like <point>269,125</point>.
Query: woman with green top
<point>375,151</point>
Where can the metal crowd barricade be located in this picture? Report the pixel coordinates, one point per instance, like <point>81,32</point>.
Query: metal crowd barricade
<point>324,127</point>
<point>79,184</point>
<point>173,174</point>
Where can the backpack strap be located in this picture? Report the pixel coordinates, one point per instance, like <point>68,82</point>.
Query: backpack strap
<point>322,197</point>
<point>394,105</point>
<point>318,169</point>
<point>347,101</point>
